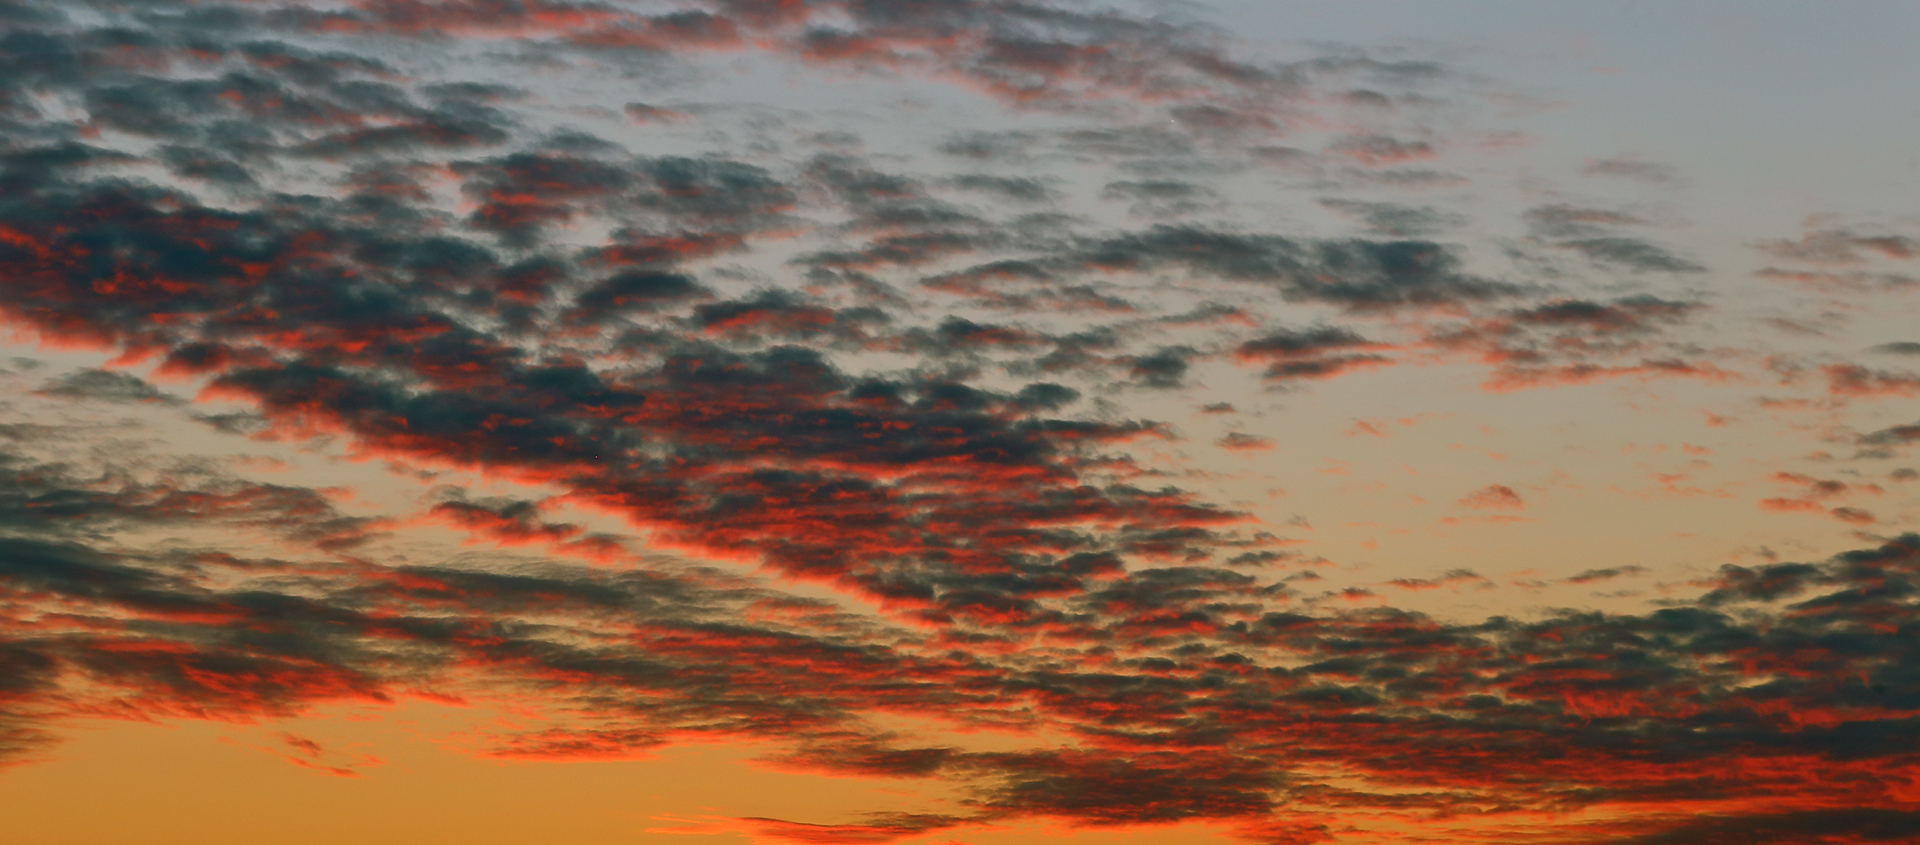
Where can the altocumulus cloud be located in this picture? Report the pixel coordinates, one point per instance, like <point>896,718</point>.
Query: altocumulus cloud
<point>906,377</point>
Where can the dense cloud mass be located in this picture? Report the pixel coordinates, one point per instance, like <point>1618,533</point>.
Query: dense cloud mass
<point>730,359</point>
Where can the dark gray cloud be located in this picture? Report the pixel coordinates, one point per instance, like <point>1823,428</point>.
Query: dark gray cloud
<point>1887,442</point>
<point>643,113</point>
<point>519,193</point>
<point>1162,198</point>
<point>1627,315</point>
<point>1592,575</point>
<point>990,146</point>
<point>1357,274</point>
<point>1241,442</point>
<point>1314,353</point>
<point>1163,368</point>
<point>1219,121</point>
<point>1567,221</point>
<point>1629,168</point>
<point>1393,220</point>
<point>1412,178</point>
<point>1126,143</point>
<point>1596,234</point>
<point>1016,188</point>
<point>634,291</point>
<point>106,386</point>
<point>1842,246</point>
<point>59,500</point>
<point>1632,254</point>
<point>958,335</point>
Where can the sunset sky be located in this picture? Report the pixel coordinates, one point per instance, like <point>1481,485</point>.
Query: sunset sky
<point>988,422</point>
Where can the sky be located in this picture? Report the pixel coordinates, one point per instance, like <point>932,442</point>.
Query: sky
<point>959,421</point>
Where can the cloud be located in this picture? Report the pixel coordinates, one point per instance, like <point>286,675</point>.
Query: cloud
<point>517,522</point>
<point>1018,189</point>
<point>1162,198</point>
<point>1816,492</point>
<point>1629,168</point>
<point>633,291</point>
<point>643,113</point>
<point>988,145</point>
<point>1832,258</point>
<point>1826,824</point>
<point>1882,443</point>
<point>1242,442</point>
<point>1494,496</point>
<point>1830,282</point>
<point>1567,221</point>
<point>1107,791</point>
<point>1311,354</point>
<point>1597,235</point>
<point>1571,341</point>
<point>1856,380</point>
<point>519,193</point>
<point>1632,254</point>
<point>1452,578</point>
<point>1163,368</point>
<point>52,498</point>
<point>106,386</point>
<point>806,364</point>
<point>777,315</point>
<point>885,828</point>
<point>1394,220</point>
<point>1356,274</point>
<point>1592,575</point>
<point>1563,683</point>
<point>1841,246</point>
<point>1375,150</point>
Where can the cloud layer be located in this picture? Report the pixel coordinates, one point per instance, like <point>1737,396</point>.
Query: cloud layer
<point>728,358</point>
